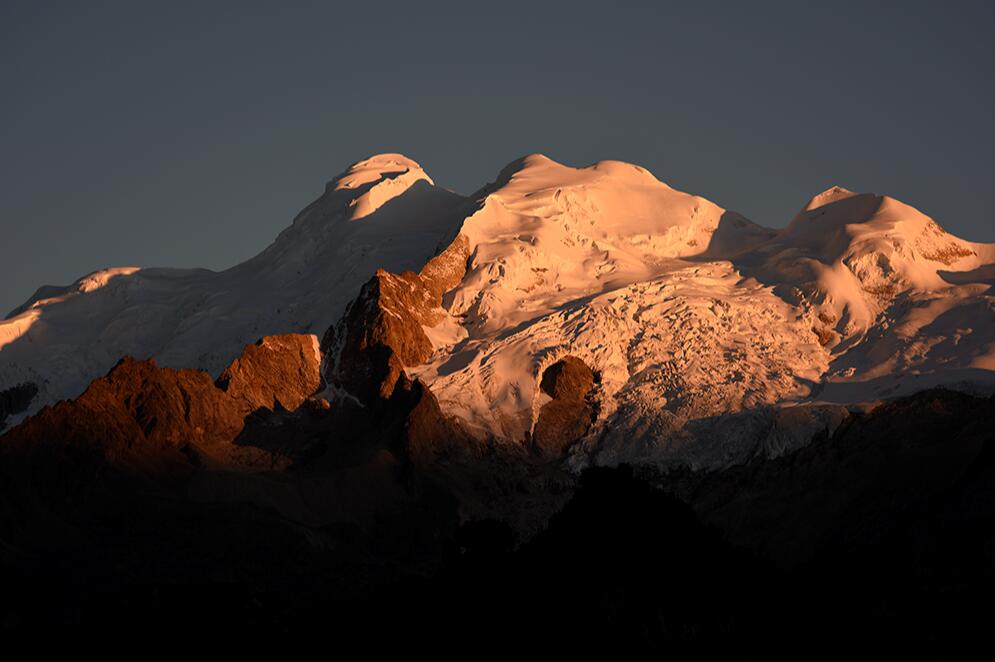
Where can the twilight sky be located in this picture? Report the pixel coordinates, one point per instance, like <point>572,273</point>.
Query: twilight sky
<point>190,134</point>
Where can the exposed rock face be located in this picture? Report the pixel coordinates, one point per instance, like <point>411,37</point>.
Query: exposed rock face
<point>568,416</point>
<point>277,371</point>
<point>141,416</point>
<point>145,435</point>
<point>429,435</point>
<point>16,399</point>
<point>382,332</point>
<point>444,271</point>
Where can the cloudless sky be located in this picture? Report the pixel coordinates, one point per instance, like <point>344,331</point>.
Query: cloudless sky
<point>190,134</point>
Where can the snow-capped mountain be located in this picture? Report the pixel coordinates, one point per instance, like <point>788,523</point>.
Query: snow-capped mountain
<point>382,212</point>
<point>596,302</point>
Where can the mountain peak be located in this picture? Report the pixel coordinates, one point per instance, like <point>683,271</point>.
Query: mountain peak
<point>376,168</point>
<point>830,195</point>
<point>376,180</point>
<point>537,159</point>
<point>848,207</point>
<point>530,163</point>
<point>540,165</point>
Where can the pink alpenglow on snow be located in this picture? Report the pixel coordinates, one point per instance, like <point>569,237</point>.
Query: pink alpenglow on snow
<point>688,315</point>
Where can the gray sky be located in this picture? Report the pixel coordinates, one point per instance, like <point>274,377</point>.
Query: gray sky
<point>181,134</point>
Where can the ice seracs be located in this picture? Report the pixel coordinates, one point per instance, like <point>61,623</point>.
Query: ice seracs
<point>605,263</point>
<point>902,303</point>
<point>546,234</point>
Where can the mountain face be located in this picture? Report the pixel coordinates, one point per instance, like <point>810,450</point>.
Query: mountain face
<point>708,339</point>
<point>151,419</point>
<point>357,425</point>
